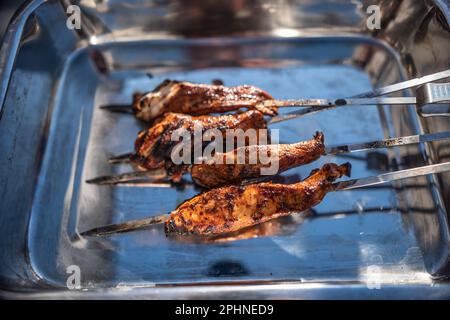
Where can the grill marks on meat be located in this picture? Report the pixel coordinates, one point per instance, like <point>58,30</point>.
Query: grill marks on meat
<point>288,156</point>
<point>198,99</point>
<point>153,146</point>
<point>232,208</point>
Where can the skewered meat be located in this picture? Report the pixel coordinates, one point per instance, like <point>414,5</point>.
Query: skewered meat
<point>225,168</point>
<point>198,99</point>
<point>232,208</point>
<point>283,226</point>
<point>153,146</point>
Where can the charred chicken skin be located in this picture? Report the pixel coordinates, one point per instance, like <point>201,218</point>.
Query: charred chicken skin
<point>198,99</point>
<point>153,146</point>
<point>232,208</point>
<point>224,168</point>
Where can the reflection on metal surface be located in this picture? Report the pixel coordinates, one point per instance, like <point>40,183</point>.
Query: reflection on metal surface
<point>54,89</point>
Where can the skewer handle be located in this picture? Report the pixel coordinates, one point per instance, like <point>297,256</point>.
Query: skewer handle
<point>434,93</point>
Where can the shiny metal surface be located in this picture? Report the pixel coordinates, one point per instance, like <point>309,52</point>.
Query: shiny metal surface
<point>54,136</point>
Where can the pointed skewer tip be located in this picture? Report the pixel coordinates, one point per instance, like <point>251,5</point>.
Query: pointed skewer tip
<point>121,108</point>
<point>101,180</point>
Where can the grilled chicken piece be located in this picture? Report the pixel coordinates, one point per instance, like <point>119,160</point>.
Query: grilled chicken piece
<point>232,208</point>
<point>153,146</point>
<point>198,99</point>
<point>225,169</point>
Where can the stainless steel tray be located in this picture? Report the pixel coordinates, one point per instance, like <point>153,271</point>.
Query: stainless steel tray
<point>54,137</point>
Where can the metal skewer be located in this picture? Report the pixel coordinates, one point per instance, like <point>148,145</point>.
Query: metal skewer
<point>338,186</point>
<point>121,108</point>
<point>339,102</point>
<point>160,174</point>
<point>121,158</point>
<point>427,93</point>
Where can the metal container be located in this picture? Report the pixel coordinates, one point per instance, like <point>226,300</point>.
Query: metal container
<point>384,242</point>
